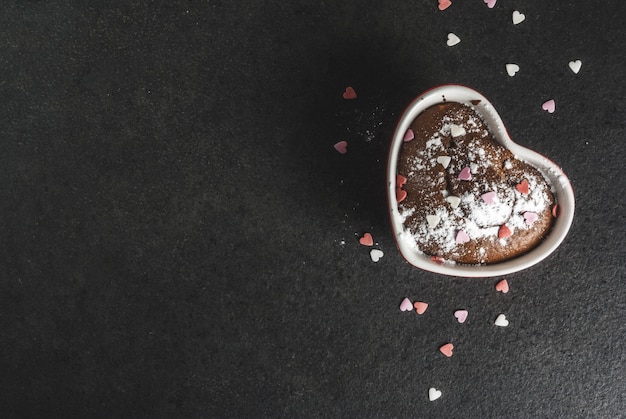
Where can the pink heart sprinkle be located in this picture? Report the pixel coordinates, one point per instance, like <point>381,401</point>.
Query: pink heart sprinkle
<point>461,315</point>
<point>342,147</point>
<point>504,232</point>
<point>447,349</point>
<point>489,197</point>
<point>367,240</point>
<point>523,187</point>
<point>444,4</point>
<point>408,135</point>
<point>438,260</point>
<point>502,286</point>
<point>490,3</point>
<point>420,307</point>
<point>465,174</point>
<point>549,106</point>
<point>349,93</point>
<point>400,194</point>
<point>462,237</point>
<point>406,305</point>
<point>530,217</point>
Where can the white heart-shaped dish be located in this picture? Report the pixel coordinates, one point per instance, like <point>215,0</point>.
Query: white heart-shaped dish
<point>553,173</point>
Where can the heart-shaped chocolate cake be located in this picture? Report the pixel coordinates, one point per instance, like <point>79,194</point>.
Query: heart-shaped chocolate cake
<point>468,199</point>
<point>464,199</point>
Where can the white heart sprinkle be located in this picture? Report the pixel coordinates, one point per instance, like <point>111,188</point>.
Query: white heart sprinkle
<point>501,321</point>
<point>444,161</point>
<point>406,305</point>
<point>512,69</point>
<point>433,394</point>
<point>518,17</point>
<point>452,40</point>
<point>433,220</point>
<point>454,201</point>
<point>456,130</point>
<point>376,254</point>
<point>575,66</point>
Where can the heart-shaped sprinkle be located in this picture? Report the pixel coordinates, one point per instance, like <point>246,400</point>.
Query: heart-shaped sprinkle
<point>376,254</point>
<point>420,307</point>
<point>408,135</point>
<point>465,174</point>
<point>489,197</point>
<point>512,69</point>
<point>575,66</point>
<point>406,305</point>
<point>400,181</point>
<point>446,349</point>
<point>444,161</point>
<point>502,286</point>
<point>444,4</point>
<point>461,315</point>
<point>433,394</point>
<point>342,147</point>
<point>452,40</point>
<point>518,17</point>
<point>556,210</point>
<point>523,187</point>
<point>462,237</point>
<point>549,106</point>
<point>349,93</point>
<point>530,217</point>
<point>457,130</point>
<point>367,240</point>
<point>501,321</point>
<point>490,3</point>
<point>433,220</point>
<point>400,195</point>
<point>504,232</point>
<point>454,201</point>
<point>437,259</point>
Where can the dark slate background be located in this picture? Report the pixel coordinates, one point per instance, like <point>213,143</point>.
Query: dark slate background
<point>180,238</point>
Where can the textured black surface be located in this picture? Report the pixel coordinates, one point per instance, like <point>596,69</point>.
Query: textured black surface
<point>173,211</point>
